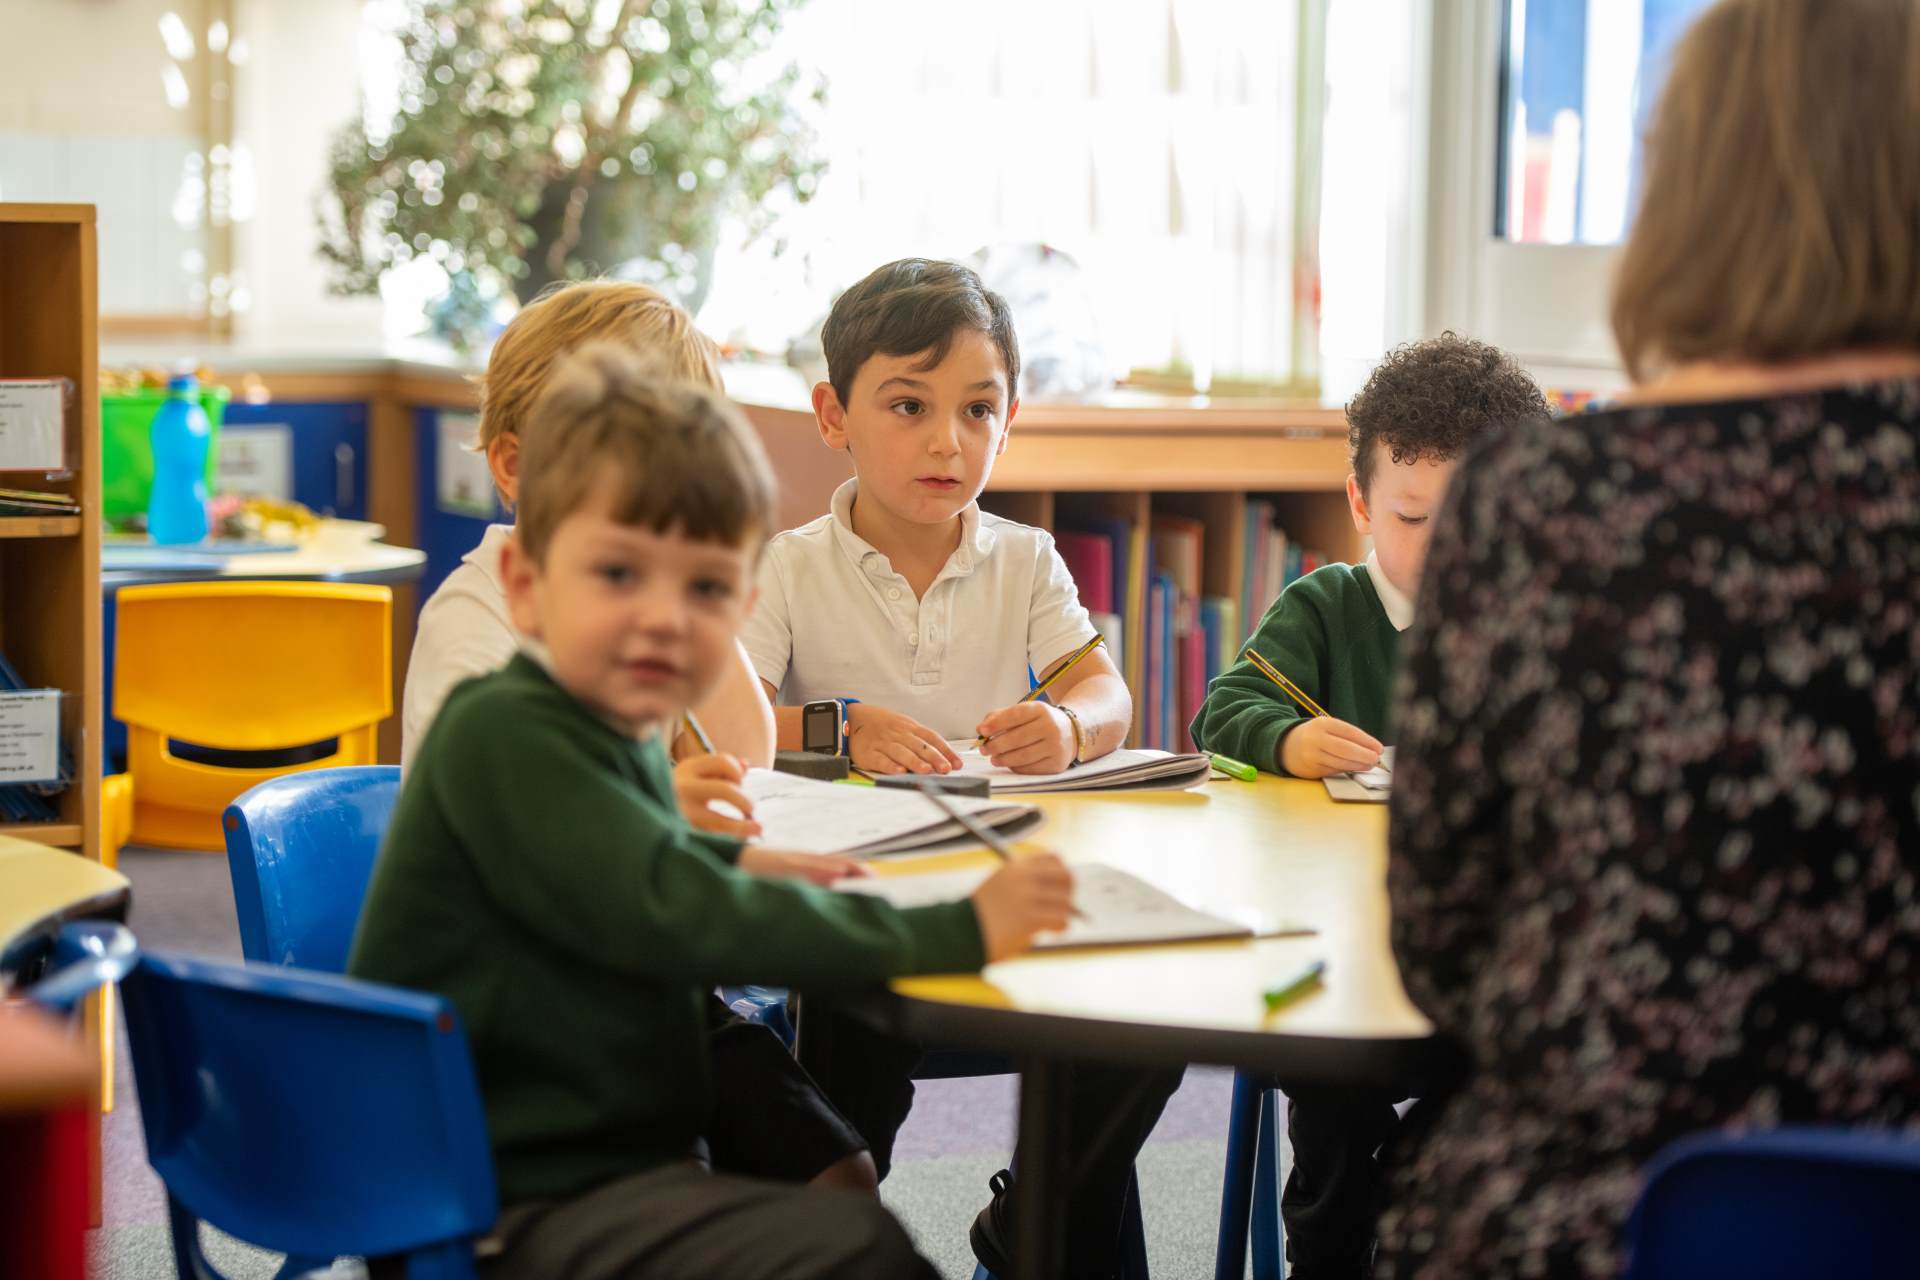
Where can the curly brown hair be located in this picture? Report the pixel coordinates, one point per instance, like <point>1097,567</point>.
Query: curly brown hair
<point>1430,400</point>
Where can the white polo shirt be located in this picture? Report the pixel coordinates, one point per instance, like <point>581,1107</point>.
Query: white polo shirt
<point>463,631</point>
<point>835,621</point>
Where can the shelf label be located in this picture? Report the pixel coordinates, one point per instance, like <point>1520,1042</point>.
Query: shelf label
<point>33,425</point>
<point>30,736</point>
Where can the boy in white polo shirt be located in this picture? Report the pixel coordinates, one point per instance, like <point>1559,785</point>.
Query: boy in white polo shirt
<point>929,615</point>
<point>929,618</point>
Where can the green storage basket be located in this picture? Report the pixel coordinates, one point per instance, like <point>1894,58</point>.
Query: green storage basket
<point>126,426</point>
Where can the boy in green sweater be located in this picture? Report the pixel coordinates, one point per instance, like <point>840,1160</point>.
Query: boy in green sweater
<point>1336,634</point>
<point>538,873</point>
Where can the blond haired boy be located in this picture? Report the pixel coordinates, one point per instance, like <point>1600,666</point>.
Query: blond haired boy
<point>464,629</point>
<point>538,873</point>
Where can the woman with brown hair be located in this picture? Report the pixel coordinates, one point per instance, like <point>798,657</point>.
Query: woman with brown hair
<point>1656,821</point>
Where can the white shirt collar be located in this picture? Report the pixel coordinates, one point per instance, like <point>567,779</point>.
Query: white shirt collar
<point>976,535</point>
<point>1397,603</point>
<point>486,556</point>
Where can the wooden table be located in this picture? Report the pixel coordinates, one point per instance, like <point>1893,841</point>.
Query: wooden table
<point>1276,850</point>
<point>335,551</point>
<point>41,888</point>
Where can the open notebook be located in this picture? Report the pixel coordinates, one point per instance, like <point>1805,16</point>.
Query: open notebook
<point>809,816</point>
<point>1117,771</point>
<point>1371,786</point>
<point>1115,908</point>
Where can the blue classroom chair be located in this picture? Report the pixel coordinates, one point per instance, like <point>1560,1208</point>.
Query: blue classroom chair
<point>300,850</point>
<point>85,956</point>
<point>1782,1203</point>
<point>313,1115</point>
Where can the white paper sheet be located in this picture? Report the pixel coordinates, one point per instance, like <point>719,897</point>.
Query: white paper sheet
<point>1116,908</point>
<point>1133,770</point>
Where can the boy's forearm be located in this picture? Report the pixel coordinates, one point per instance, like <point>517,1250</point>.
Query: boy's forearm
<point>787,733</point>
<point>1105,708</point>
<point>1244,720</point>
<point>737,714</point>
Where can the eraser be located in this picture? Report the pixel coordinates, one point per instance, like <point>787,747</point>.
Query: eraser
<point>811,764</point>
<point>952,784</point>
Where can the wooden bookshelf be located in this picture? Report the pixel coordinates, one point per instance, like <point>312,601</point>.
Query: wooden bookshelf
<point>50,566</point>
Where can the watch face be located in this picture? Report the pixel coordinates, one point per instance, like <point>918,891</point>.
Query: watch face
<point>820,727</point>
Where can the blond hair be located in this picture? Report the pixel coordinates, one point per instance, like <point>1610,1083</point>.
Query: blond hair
<point>672,455</point>
<point>1781,205</point>
<point>568,315</point>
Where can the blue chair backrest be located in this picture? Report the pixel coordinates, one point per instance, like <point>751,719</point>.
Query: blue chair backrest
<point>1784,1202</point>
<point>307,1113</point>
<point>300,849</point>
<point>86,955</point>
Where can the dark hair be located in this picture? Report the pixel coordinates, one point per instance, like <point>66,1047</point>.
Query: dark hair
<point>676,454</point>
<point>1430,400</point>
<point>910,306</point>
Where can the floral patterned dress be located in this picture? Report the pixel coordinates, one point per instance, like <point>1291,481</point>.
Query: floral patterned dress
<point>1656,816</point>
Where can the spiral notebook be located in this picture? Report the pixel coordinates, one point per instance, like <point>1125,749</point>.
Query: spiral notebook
<point>809,816</point>
<point>1116,771</point>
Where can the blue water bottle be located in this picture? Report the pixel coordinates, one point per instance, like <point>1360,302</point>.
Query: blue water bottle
<point>177,507</point>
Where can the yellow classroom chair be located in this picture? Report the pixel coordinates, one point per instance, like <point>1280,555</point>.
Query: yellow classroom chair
<point>223,685</point>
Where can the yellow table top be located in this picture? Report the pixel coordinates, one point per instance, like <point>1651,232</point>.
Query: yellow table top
<point>41,886</point>
<point>1276,850</point>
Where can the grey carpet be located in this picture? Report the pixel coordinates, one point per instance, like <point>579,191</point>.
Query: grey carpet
<point>958,1134</point>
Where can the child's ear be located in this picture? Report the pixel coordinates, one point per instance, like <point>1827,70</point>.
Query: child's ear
<point>503,459</point>
<point>830,415</point>
<point>1013,408</point>
<point>519,574</point>
<point>1357,503</point>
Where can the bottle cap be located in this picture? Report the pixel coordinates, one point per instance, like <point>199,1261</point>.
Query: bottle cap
<point>183,382</point>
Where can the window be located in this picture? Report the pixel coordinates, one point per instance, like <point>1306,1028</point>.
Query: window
<point>1156,142</point>
<point>1579,80</point>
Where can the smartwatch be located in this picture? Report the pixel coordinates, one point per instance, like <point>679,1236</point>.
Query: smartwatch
<point>823,726</point>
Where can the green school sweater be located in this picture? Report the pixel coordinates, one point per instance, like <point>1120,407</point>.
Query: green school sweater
<point>538,874</point>
<point>1329,634</point>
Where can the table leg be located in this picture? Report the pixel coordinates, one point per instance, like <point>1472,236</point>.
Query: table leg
<point>1040,1183</point>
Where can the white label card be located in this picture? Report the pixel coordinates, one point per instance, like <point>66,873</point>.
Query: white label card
<point>464,485</point>
<point>33,425</point>
<point>30,736</point>
<point>255,461</point>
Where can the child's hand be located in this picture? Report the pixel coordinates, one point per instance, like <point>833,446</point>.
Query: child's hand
<point>1028,737</point>
<point>883,741</point>
<point>1320,746</point>
<point>814,868</point>
<point>1021,899</point>
<point>697,780</point>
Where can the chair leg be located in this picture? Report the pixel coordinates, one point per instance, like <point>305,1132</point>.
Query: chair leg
<point>1236,1192</point>
<point>450,1260</point>
<point>1269,1245</point>
<point>1133,1233</point>
<point>189,1263</point>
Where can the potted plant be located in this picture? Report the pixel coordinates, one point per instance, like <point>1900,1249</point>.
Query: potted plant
<point>543,140</point>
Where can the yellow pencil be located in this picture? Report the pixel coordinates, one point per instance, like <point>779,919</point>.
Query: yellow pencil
<point>699,734</point>
<point>1066,666</point>
<point>1061,670</point>
<point>1287,686</point>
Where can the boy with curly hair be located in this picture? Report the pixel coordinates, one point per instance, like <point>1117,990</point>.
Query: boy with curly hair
<point>1336,634</point>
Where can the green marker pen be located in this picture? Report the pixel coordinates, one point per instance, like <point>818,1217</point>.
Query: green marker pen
<point>1233,768</point>
<point>1281,996</point>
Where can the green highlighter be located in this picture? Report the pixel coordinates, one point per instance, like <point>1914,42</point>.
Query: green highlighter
<point>1234,768</point>
<point>1282,996</point>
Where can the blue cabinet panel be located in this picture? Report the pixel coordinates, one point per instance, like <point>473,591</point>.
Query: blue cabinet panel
<point>451,510</point>
<point>329,451</point>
